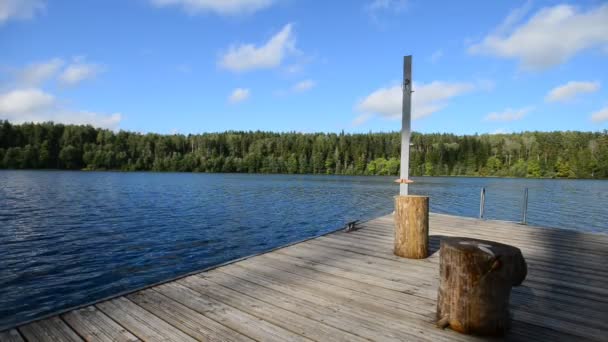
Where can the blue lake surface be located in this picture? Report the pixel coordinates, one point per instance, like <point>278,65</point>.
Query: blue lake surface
<point>69,238</point>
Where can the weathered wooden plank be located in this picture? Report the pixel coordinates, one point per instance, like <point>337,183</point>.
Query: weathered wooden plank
<point>592,242</point>
<point>530,254</point>
<point>185,319</point>
<point>347,290</point>
<point>589,240</point>
<point>524,332</point>
<point>50,329</point>
<point>286,319</point>
<point>378,249</point>
<point>593,295</point>
<point>541,274</point>
<point>311,306</point>
<point>141,322</point>
<point>542,242</point>
<point>563,326</point>
<point>11,335</point>
<point>386,329</point>
<point>540,267</point>
<point>386,287</point>
<point>390,272</point>
<point>380,330</point>
<point>539,248</point>
<point>364,265</point>
<point>377,234</point>
<point>588,317</point>
<point>384,309</point>
<point>94,325</point>
<point>543,237</point>
<point>240,321</point>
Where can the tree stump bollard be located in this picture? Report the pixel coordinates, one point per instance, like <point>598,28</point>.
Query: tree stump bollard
<point>412,226</point>
<point>476,277</point>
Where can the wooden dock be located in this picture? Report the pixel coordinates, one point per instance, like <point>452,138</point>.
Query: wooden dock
<point>350,287</point>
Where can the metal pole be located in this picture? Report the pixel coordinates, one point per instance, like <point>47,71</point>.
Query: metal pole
<point>482,202</point>
<point>524,209</point>
<point>406,124</point>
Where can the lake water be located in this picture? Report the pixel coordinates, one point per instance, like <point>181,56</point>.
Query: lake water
<point>67,238</point>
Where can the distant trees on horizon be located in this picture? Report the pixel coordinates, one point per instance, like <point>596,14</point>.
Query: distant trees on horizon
<point>529,154</point>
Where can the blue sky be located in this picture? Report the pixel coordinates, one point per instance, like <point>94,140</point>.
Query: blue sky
<point>192,66</point>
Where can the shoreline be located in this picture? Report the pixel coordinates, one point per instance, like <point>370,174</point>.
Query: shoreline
<point>302,174</point>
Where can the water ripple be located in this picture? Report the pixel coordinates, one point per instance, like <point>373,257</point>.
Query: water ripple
<point>68,238</point>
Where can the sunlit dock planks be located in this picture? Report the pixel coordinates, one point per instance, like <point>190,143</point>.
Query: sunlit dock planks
<point>350,287</point>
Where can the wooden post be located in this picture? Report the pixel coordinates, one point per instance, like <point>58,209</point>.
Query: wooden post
<point>412,226</point>
<point>476,277</point>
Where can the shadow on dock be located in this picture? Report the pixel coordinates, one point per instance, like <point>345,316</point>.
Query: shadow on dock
<point>565,290</point>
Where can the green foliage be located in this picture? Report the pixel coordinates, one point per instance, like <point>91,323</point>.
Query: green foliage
<point>70,157</point>
<point>563,169</point>
<point>429,168</point>
<point>519,169</point>
<point>494,165</point>
<point>528,154</point>
<point>534,170</point>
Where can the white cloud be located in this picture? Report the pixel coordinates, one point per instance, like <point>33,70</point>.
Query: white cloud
<point>426,100</point>
<point>600,116</point>
<point>20,9</point>
<point>24,101</point>
<point>221,7</point>
<point>109,121</point>
<point>385,102</point>
<point>508,114</point>
<point>34,105</point>
<point>78,72</point>
<point>246,57</point>
<point>550,37</point>
<point>570,90</point>
<point>37,73</point>
<point>239,95</point>
<point>303,86</point>
<point>515,17</point>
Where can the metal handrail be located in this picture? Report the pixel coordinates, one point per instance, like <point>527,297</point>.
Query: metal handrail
<point>482,202</point>
<point>524,206</point>
<point>524,209</point>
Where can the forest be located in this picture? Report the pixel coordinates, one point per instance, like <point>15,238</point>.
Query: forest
<point>528,154</point>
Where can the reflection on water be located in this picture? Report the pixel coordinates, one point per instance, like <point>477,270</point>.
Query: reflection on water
<point>68,238</point>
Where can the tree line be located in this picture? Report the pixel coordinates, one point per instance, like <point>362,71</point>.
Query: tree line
<point>528,154</point>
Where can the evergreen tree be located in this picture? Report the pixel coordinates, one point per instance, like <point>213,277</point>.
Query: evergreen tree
<point>527,154</point>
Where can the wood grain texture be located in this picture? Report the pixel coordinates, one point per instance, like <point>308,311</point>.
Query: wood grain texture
<point>412,226</point>
<point>227,315</point>
<point>11,335</point>
<point>141,322</point>
<point>476,277</point>
<point>94,325</point>
<point>50,329</point>
<point>185,319</point>
<point>284,318</point>
<point>352,287</point>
